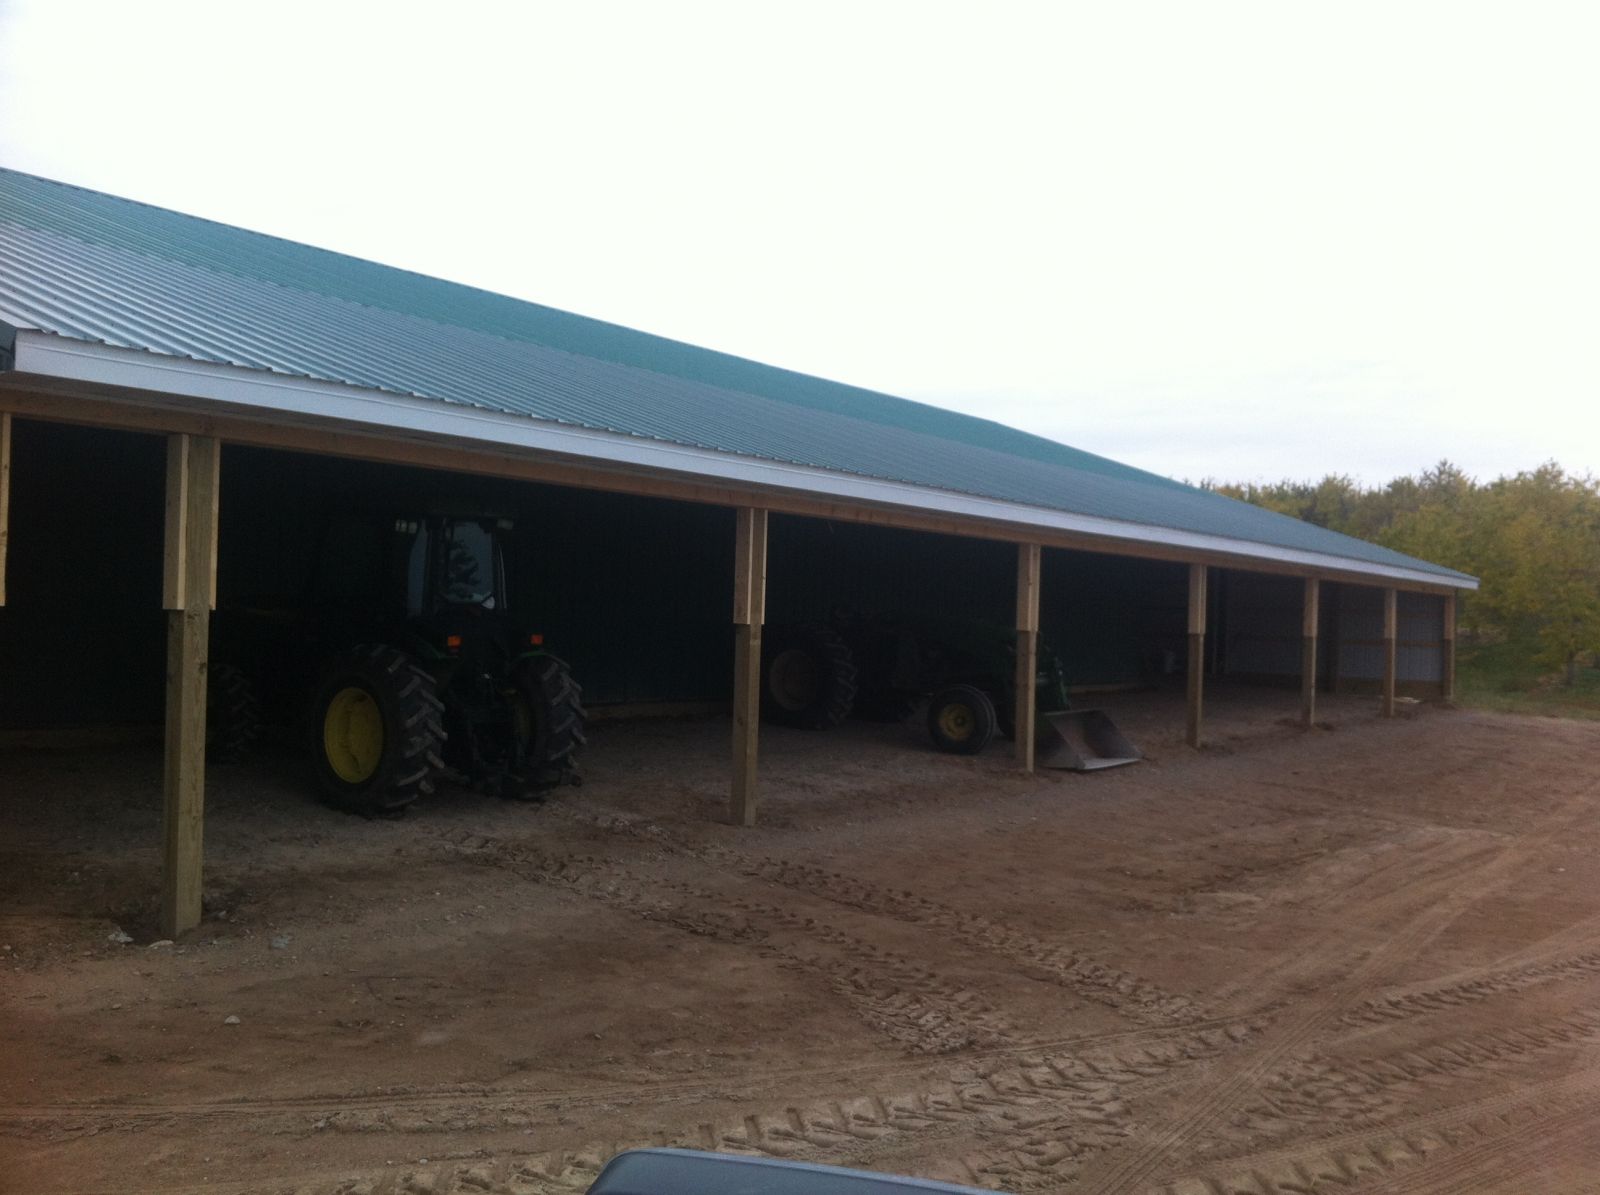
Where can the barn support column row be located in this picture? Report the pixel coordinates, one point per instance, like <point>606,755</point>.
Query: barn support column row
<point>749,612</point>
<point>1027,679</point>
<point>1197,652</point>
<point>189,593</point>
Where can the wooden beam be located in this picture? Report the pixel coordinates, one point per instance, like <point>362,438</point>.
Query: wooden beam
<point>750,566</point>
<point>1197,652</point>
<point>1025,699</point>
<point>1448,673</point>
<point>1311,609</point>
<point>749,612</point>
<point>164,415</point>
<point>191,558</point>
<point>174,565</point>
<point>5,498</point>
<point>1391,654</point>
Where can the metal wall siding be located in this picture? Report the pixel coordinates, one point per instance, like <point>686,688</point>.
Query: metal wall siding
<point>1360,661</point>
<point>1262,624</point>
<point>1112,620</point>
<point>96,268</point>
<point>1360,612</point>
<point>1358,633</point>
<point>1420,624</point>
<point>1421,616</point>
<point>1263,657</point>
<point>1419,663</point>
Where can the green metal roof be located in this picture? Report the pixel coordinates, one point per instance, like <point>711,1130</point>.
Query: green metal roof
<point>93,267</point>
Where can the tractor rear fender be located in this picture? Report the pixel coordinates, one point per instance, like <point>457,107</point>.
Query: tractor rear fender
<point>537,653</point>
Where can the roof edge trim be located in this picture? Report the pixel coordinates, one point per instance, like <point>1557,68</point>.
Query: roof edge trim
<point>49,355</point>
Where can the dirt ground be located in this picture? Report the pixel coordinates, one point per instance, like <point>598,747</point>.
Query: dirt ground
<point>1361,957</point>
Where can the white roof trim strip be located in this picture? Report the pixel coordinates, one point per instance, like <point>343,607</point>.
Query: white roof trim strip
<point>255,391</point>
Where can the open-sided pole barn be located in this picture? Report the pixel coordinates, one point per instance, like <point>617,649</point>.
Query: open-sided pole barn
<point>119,316</point>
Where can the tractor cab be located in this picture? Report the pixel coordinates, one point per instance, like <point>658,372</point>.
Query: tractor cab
<point>451,563</point>
<point>448,577</point>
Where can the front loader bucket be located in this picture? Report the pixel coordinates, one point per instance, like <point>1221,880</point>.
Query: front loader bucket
<point>1082,741</point>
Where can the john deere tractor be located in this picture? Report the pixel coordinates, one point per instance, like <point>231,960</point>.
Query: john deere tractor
<point>882,668</point>
<point>403,664</point>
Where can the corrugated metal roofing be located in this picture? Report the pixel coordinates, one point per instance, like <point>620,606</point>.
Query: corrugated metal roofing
<point>93,267</point>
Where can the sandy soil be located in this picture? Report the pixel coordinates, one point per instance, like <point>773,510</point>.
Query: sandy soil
<point>1361,957</point>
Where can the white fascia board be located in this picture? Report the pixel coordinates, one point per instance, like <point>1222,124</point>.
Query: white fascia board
<point>251,392</point>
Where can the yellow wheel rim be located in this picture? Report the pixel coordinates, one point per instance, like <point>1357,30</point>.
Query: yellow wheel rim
<point>352,735</point>
<point>956,722</point>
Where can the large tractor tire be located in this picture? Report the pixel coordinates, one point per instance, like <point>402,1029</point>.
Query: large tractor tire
<point>1005,714</point>
<point>961,720</point>
<point>808,678</point>
<point>377,731</point>
<point>547,718</point>
<point>233,714</point>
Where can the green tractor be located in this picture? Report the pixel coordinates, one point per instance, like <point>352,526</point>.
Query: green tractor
<point>881,669</point>
<point>964,668</point>
<point>962,672</point>
<point>401,665</point>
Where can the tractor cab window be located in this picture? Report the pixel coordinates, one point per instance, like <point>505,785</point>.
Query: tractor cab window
<point>470,566</point>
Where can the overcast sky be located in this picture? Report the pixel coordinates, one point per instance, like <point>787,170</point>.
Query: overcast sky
<point>1211,239</point>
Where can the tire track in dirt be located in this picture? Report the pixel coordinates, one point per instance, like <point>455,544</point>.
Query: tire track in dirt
<point>1047,1147</point>
<point>1382,1010</point>
<point>1318,1094</point>
<point>1567,944</point>
<point>1418,878</point>
<point>1408,858</point>
<point>1329,800</point>
<point>1119,990</point>
<point>1319,1091</point>
<point>436,1109</point>
<point>1521,1160</point>
<point>887,991</point>
<point>1086,977</point>
<point>1464,1142</point>
<point>1054,1111</point>
<point>1035,1122</point>
<point>1032,1118</point>
<point>1136,1168</point>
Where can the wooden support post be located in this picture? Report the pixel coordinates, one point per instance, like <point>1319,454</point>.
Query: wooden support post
<point>749,612</point>
<point>5,497</point>
<point>1311,614</point>
<point>190,583</point>
<point>1197,650</point>
<point>1391,655</point>
<point>1447,675</point>
<point>1028,568</point>
<point>174,572</point>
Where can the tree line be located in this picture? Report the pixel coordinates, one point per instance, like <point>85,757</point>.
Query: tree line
<point>1532,539</point>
